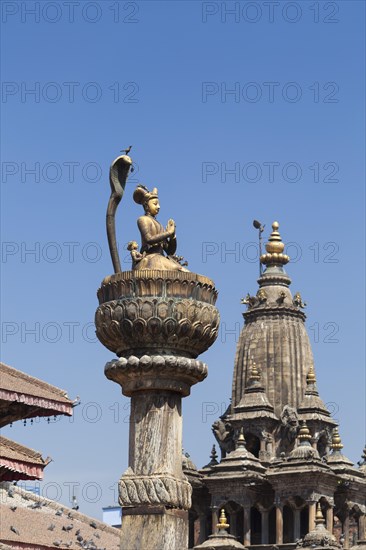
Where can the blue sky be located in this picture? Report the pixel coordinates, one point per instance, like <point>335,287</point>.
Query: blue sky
<point>258,113</point>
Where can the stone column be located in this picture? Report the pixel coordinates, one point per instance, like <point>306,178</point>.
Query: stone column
<point>157,322</point>
<point>296,524</point>
<point>362,527</point>
<point>215,519</point>
<point>329,519</point>
<point>312,511</point>
<point>346,532</point>
<point>246,521</point>
<point>279,524</point>
<point>265,533</point>
<point>203,535</point>
<point>233,523</point>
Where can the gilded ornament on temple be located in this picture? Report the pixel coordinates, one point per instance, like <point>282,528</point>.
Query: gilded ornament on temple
<point>304,433</point>
<point>254,373</point>
<point>319,518</point>
<point>336,440</point>
<point>222,521</point>
<point>311,378</point>
<point>240,442</point>
<point>274,249</point>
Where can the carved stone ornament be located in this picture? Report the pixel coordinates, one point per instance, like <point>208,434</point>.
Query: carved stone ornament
<point>154,489</point>
<point>167,372</point>
<point>157,311</point>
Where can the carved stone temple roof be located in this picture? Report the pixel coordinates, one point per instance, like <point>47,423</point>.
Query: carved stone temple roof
<point>312,407</point>
<point>238,463</point>
<point>274,335</point>
<point>221,540</point>
<point>337,460</point>
<point>254,403</point>
<point>319,537</point>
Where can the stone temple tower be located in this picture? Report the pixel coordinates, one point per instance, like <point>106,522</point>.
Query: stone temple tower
<point>281,461</point>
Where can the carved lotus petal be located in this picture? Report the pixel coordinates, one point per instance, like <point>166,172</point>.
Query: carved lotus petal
<point>117,312</point>
<point>206,331</point>
<point>169,327</point>
<point>163,310</point>
<point>197,330</point>
<point>192,313</point>
<point>180,309</point>
<point>126,327</point>
<point>114,329</point>
<point>206,315</point>
<point>154,326</point>
<point>139,327</point>
<point>185,327</point>
<point>132,310</point>
<point>147,310</point>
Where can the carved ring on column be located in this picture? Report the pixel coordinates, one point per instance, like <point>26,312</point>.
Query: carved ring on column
<point>157,372</point>
<point>154,489</point>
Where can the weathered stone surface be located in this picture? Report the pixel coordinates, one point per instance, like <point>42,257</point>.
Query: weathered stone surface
<point>157,529</point>
<point>165,372</point>
<point>154,489</point>
<point>151,312</point>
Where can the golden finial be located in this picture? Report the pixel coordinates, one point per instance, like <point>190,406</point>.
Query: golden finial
<point>254,373</point>
<point>240,442</point>
<point>319,518</point>
<point>336,440</point>
<point>311,378</point>
<point>222,525</point>
<point>304,433</point>
<point>274,248</point>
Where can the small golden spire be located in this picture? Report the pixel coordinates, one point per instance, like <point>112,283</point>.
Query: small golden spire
<point>319,518</point>
<point>304,433</point>
<point>336,440</point>
<point>222,525</point>
<point>240,442</point>
<point>311,378</point>
<point>254,373</point>
<point>274,248</point>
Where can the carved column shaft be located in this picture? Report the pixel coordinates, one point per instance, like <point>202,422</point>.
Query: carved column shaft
<point>156,433</point>
<point>202,536</point>
<point>265,537</point>
<point>346,532</point>
<point>312,511</point>
<point>296,524</point>
<point>215,520</point>
<point>329,519</point>
<point>362,527</point>
<point>279,525</point>
<point>247,532</point>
